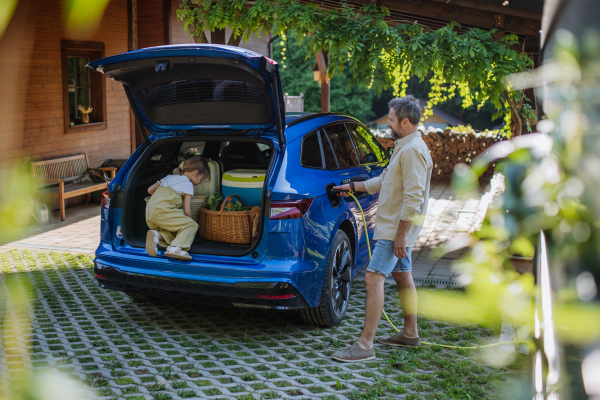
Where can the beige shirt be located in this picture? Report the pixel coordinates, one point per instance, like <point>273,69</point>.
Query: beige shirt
<point>404,189</point>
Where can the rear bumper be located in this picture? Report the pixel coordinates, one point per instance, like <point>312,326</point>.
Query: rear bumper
<point>223,286</point>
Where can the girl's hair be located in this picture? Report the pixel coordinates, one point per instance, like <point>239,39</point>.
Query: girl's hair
<point>194,163</point>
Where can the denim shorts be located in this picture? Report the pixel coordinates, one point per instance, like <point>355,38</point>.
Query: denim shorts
<point>385,262</point>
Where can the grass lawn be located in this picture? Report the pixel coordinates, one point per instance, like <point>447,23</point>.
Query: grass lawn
<point>165,350</point>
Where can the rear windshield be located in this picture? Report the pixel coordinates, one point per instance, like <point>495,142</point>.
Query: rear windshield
<point>204,90</point>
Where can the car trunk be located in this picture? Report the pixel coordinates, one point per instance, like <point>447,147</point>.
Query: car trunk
<point>185,95</point>
<point>164,155</point>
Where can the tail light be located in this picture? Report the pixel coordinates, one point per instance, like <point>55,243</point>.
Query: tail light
<point>289,209</point>
<point>105,202</point>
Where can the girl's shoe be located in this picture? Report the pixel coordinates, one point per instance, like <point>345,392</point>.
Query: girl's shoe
<point>152,242</point>
<point>176,252</point>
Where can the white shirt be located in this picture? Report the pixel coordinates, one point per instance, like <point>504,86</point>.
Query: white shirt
<point>179,183</point>
<point>404,189</point>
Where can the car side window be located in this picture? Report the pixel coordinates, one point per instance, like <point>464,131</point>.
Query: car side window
<point>342,146</point>
<point>368,149</point>
<point>311,151</point>
<point>328,155</point>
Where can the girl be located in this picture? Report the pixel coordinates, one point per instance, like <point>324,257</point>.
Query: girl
<point>171,225</point>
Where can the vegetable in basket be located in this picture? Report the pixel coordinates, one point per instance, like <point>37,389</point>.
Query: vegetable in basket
<point>214,201</point>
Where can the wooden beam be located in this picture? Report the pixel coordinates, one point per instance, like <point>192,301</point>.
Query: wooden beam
<point>468,12</point>
<point>131,25</point>
<point>322,63</point>
<point>500,18</point>
<point>233,41</point>
<point>495,8</point>
<point>132,45</point>
<point>201,39</point>
<point>217,36</point>
<point>325,93</point>
<point>167,22</point>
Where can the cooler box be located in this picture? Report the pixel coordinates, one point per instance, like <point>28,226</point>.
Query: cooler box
<point>246,183</point>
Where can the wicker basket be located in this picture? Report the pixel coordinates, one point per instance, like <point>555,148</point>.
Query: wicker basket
<point>229,226</point>
<point>197,203</point>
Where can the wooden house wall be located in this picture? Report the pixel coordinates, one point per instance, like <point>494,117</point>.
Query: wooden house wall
<point>31,88</point>
<point>254,43</point>
<point>178,35</point>
<point>153,23</point>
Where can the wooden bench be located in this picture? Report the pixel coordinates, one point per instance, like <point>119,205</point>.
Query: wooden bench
<point>65,170</point>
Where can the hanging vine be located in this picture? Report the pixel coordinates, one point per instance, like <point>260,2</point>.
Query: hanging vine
<point>380,54</point>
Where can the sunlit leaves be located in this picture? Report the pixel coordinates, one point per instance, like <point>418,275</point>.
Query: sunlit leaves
<point>85,11</point>
<point>464,180</point>
<point>552,187</point>
<point>7,8</point>
<point>379,56</point>
<point>494,293</point>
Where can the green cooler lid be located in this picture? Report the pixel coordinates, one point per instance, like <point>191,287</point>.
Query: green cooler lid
<point>245,175</point>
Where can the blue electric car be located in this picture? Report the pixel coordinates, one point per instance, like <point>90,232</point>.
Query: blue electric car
<point>227,104</point>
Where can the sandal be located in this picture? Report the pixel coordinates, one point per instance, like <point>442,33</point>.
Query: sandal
<point>152,242</point>
<point>176,252</point>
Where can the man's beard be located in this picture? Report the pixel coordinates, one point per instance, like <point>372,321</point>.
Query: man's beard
<point>396,135</point>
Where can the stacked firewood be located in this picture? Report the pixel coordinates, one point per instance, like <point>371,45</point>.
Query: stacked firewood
<point>450,148</point>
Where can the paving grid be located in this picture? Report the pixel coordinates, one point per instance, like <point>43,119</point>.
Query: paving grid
<point>166,350</point>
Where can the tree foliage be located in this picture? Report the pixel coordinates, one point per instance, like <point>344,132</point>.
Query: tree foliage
<point>379,54</point>
<point>297,77</point>
<point>552,186</point>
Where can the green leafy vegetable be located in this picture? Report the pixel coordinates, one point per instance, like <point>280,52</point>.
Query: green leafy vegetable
<point>214,201</point>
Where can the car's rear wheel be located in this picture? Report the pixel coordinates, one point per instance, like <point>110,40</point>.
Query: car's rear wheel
<point>337,285</point>
<point>139,297</point>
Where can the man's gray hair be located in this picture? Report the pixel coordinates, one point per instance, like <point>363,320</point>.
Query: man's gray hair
<point>406,107</point>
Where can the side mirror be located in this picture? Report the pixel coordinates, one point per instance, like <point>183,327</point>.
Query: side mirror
<point>390,151</point>
<point>369,158</point>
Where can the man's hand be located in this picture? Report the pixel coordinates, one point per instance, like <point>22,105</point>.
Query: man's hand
<point>400,246</point>
<point>358,187</point>
<point>345,188</point>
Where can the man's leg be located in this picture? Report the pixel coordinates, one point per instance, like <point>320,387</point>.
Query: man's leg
<point>409,336</point>
<point>373,307</point>
<point>381,264</point>
<point>408,300</point>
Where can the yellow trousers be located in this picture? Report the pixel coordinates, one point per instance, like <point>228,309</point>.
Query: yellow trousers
<point>165,215</point>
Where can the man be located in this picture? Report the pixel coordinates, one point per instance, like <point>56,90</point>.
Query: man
<point>404,193</point>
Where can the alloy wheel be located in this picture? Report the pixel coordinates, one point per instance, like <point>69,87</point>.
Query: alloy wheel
<point>341,278</point>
